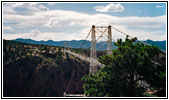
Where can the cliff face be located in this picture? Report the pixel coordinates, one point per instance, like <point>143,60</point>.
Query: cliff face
<point>38,76</point>
<point>28,77</point>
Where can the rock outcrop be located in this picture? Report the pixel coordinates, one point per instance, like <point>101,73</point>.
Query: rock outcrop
<point>37,77</point>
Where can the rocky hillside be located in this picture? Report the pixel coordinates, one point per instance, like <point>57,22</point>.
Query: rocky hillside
<point>40,71</point>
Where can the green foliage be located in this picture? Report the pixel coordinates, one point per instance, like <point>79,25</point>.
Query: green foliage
<point>46,48</point>
<point>13,50</point>
<point>59,57</point>
<point>149,95</point>
<point>129,64</point>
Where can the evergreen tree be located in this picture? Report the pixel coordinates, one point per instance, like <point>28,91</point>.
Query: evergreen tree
<point>59,57</point>
<point>128,65</point>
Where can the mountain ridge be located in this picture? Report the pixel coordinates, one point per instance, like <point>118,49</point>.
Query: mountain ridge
<point>77,43</point>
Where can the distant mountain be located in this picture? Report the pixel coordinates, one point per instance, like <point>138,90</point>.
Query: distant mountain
<point>160,44</point>
<point>77,43</point>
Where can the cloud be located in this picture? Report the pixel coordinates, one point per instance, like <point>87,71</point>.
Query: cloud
<point>140,34</point>
<point>49,19</point>
<point>51,3</point>
<point>8,11</point>
<point>146,22</point>
<point>38,35</point>
<point>43,7</point>
<point>144,34</point>
<point>159,6</point>
<point>24,6</point>
<point>7,28</point>
<point>45,36</point>
<point>34,33</point>
<point>110,8</point>
<point>54,18</point>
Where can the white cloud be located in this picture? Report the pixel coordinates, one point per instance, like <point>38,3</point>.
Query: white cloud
<point>150,22</point>
<point>159,6</point>
<point>8,11</point>
<point>45,36</point>
<point>144,35</point>
<point>51,3</point>
<point>38,35</point>
<point>54,18</point>
<point>43,7</point>
<point>26,6</point>
<point>110,8</point>
<point>34,33</point>
<point>58,18</point>
<point>19,4</point>
<point>7,28</point>
<point>140,34</point>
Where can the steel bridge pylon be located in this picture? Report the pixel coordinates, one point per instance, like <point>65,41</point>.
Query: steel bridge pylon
<point>109,41</point>
<point>93,53</point>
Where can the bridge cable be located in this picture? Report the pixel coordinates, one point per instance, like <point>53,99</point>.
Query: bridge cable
<point>69,46</point>
<point>102,45</point>
<point>71,77</point>
<point>105,44</point>
<point>132,37</point>
<point>103,32</point>
<point>139,41</point>
<point>86,38</point>
<point>104,38</point>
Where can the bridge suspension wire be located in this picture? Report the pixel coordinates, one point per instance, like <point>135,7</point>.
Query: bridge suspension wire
<point>68,43</point>
<point>105,44</point>
<point>133,37</point>
<point>139,41</point>
<point>103,32</point>
<point>104,38</point>
<point>71,77</point>
<point>106,34</point>
<point>86,38</point>
<point>156,63</point>
<point>102,45</point>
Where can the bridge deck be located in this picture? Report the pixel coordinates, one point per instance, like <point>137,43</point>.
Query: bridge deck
<point>85,58</point>
<point>74,95</point>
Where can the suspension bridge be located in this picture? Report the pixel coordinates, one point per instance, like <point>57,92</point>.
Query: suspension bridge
<point>94,64</point>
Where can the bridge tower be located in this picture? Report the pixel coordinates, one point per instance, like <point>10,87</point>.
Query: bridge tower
<point>93,54</point>
<point>65,46</point>
<point>69,48</point>
<point>109,41</point>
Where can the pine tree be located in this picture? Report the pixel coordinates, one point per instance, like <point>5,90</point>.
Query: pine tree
<point>128,65</point>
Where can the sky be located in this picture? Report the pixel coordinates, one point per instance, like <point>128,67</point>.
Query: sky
<point>72,21</point>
